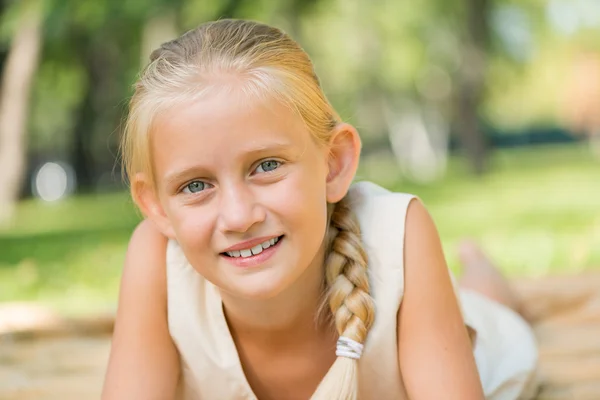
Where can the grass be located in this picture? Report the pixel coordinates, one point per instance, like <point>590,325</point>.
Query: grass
<point>68,254</point>
<point>536,212</point>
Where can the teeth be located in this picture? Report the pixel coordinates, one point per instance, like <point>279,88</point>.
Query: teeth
<point>245,253</point>
<point>257,249</point>
<point>254,250</point>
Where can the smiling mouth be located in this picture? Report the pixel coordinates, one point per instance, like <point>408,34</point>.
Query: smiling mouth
<point>259,248</point>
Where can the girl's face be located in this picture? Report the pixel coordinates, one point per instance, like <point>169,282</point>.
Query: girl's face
<point>243,187</point>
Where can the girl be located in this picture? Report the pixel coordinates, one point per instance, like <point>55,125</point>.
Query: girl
<point>260,272</point>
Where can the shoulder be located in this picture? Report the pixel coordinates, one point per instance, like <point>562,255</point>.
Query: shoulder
<point>144,271</point>
<point>145,234</point>
<point>423,253</point>
<point>143,361</point>
<point>420,224</point>
<point>145,261</point>
<point>147,246</point>
<point>371,201</point>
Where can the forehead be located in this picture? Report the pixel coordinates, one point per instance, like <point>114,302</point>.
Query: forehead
<point>222,125</point>
<point>225,110</point>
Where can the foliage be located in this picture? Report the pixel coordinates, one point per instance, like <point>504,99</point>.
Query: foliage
<point>390,49</point>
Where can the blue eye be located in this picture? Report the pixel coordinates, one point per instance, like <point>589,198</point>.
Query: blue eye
<point>267,166</point>
<point>194,187</point>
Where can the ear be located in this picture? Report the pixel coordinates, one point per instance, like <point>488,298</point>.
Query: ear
<point>344,153</point>
<point>145,196</point>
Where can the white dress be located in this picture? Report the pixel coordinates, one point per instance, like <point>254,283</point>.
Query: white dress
<point>505,349</point>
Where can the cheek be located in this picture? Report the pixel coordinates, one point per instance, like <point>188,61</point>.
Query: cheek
<point>192,227</point>
<point>301,204</point>
<point>193,230</point>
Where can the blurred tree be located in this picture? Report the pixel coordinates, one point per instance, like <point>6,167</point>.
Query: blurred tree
<point>471,80</point>
<point>438,56</point>
<point>17,76</point>
<point>110,39</point>
<point>105,39</point>
<point>379,58</point>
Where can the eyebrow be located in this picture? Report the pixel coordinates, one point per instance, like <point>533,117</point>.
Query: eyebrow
<point>270,148</point>
<point>174,177</point>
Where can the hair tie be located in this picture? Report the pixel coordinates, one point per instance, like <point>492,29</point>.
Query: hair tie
<point>347,347</point>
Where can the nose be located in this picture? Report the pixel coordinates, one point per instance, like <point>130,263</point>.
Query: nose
<point>239,209</point>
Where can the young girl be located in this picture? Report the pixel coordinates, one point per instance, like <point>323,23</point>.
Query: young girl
<point>261,272</point>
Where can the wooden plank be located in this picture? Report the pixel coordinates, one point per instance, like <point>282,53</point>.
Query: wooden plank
<point>556,341</point>
<point>585,391</point>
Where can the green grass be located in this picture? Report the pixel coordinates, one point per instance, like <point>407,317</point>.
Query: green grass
<point>537,212</point>
<point>67,254</point>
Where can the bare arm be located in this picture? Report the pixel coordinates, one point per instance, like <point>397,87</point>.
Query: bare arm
<point>435,354</point>
<point>144,362</point>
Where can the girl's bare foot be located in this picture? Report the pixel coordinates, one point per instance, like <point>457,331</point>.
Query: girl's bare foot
<point>480,275</point>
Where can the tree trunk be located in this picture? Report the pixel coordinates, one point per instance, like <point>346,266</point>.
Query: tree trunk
<point>82,156</point>
<point>471,82</point>
<point>95,114</point>
<point>17,78</point>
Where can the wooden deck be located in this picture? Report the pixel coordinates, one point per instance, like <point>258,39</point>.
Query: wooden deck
<point>566,317</point>
<point>57,360</point>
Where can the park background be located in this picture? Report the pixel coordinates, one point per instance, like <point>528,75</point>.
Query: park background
<point>489,110</point>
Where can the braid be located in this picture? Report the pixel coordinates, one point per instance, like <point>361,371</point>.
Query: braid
<point>346,276</point>
<point>350,302</point>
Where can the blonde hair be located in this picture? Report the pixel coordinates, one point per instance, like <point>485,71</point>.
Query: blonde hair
<point>270,64</point>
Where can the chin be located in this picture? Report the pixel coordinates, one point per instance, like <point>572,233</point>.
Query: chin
<point>259,286</point>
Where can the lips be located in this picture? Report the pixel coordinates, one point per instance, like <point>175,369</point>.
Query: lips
<point>254,256</point>
<point>254,250</point>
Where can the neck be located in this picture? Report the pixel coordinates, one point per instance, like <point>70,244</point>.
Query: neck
<point>291,313</point>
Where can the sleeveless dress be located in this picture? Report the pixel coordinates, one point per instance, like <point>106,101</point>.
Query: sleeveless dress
<point>505,349</point>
